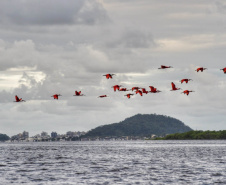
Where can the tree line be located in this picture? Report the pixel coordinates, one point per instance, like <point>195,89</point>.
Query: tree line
<point>198,134</point>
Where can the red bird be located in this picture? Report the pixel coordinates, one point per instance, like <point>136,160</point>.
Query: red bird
<point>187,92</point>
<point>154,90</point>
<point>135,88</point>
<point>102,96</point>
<point>128,95</point>
<point>78,93</point>
<point>109,75</point>
<point>55,96</point>
<point>164,67</point>
<point>140,92</point>
<point>185,80</point>
<point>144,91</point>
<point>200,69</point>
<point>174,88</point>
<point>224,70</point>
<point>123,89</point>
<point>116,87</point>
<point>18,99</point>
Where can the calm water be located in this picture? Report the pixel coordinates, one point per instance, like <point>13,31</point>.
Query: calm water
<point>114,162</point>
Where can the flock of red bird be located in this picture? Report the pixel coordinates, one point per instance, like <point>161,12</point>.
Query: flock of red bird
<point>137,90</point>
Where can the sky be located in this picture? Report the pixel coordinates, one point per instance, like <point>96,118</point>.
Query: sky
<point>57,47</point>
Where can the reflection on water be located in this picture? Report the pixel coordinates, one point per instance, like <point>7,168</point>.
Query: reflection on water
<point>114,162</point>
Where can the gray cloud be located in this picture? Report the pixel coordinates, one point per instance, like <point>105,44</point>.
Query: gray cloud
<point>221,7</point>
<point>52,12</point>
<point>133,39</point>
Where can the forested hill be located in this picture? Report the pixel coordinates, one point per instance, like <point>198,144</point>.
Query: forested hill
<point>141,125</point>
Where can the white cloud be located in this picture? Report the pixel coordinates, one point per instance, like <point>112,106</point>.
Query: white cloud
<point>191,43</point>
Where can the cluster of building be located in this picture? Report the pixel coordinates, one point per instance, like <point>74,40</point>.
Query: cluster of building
<point>44,136</point>
<point>118,138</point>
<point>70,136</point>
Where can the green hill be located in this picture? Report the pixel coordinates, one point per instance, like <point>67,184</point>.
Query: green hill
<point>141,125</point>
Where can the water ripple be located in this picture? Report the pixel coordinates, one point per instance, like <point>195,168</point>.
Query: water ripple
<point>114,162</point>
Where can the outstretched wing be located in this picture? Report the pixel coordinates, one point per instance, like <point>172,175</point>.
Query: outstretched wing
<point>140,92</point>
<point>77,93</point>
<point>152,88</point>
<point>17,99</point>
<point>173,85</point>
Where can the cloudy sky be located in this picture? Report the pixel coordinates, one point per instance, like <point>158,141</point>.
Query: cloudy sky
<point>55,46</point>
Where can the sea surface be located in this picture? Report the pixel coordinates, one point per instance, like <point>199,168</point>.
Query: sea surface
<point>113,162</point>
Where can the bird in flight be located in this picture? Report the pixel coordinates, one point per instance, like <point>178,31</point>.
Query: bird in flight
<point>78,93</point>
<point>128,95</point>
<point>55,96</point>
<point>200,69</point>
<point>135,88</point>
<point>18,99</point>
<point>123,89</point>
<point>187,92</point>
<point>102,96</point>
<point>224,70</point>
<point>116,87</point>
<point>140,92</point>
<point>109,75</point>
<point>174,88</point>
<point>185,80</point>
<point>144,91</point>
<point>165,67</point>
<point>154,90</point>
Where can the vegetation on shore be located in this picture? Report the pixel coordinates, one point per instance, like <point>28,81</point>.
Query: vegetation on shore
<point>4,137</point>
<point>140,125</point>
<point>196,135</point>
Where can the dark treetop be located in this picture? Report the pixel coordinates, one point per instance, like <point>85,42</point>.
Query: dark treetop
<point>199,134</point>
<point>141,125</point>
<point>4,137</point>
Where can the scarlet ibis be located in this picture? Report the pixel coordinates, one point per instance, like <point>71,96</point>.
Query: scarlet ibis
<point>140,92</point>
<point>109,75</point>
<point>116,87</point>
<point>78,93</point>
<point>224,70</point>
<point>102,96</point>
<point>128,95</point>
<point>187,92</point>
<point>174,88</point>
<point>135,88</point>
<point>144,91</point>
<point>164,67</point>
<point>185,80</point>
<point>154,90</point>
<point>18,99</point>
<point>55,96</point>
<point>200,69</point>
<point>123,89</point>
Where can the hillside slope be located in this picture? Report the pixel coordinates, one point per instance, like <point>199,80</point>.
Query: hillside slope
<point>141,125</point>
